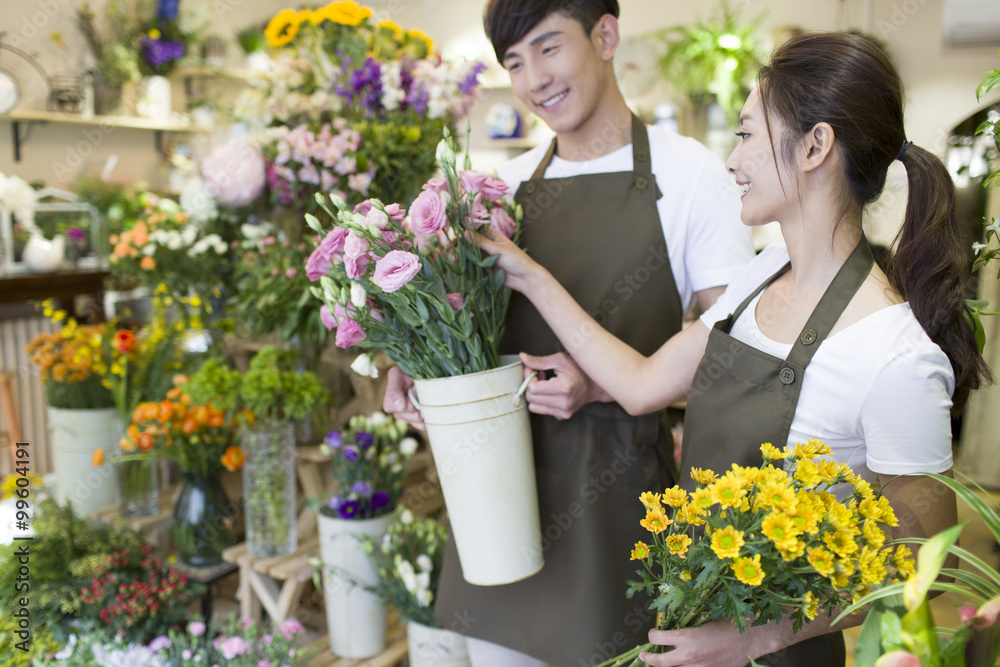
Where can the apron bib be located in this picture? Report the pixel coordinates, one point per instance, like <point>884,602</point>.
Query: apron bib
<point>600,236</point>
<point>742,397</point>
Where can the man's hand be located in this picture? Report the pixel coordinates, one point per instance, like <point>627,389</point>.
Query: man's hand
<point>565,393</point>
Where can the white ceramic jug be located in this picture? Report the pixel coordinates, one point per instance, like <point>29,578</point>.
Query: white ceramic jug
<point>42,255</point>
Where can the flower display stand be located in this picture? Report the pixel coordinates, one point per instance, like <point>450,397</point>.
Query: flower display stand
<point>155,527</point>
<point>395,651</point>
<point>276,584</point>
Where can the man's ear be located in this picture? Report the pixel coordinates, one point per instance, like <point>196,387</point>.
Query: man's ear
<point>605,36</point>
<point>818,145</point>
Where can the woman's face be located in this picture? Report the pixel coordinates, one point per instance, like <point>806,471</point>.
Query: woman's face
<point>754,164</point>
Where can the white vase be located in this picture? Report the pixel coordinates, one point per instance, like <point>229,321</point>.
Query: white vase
<point>74,436</point>
<point>480,436</point>
<point>154,101</point>
<point>355,618</point>
<point>434,647</point>
<point>41,255</point>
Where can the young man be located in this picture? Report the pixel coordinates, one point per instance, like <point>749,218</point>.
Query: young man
<point>636,223</point>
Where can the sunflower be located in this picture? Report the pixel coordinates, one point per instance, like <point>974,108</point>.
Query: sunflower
<point>343,12</point>
<point>283,27</point>
<point>640,552</point>
<point>748,570</point>
<point>726,543</point>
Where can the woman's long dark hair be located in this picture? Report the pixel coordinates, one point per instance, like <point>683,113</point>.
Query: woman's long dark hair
<point>848,82</point>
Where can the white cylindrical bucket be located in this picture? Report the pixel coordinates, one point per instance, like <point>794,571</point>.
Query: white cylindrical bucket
<point>355,618</point>
<point>74,436</point>
<point>480,436</point>
<point>434,647</point>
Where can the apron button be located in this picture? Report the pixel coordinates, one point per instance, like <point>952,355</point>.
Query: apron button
<point>641,183</point>
<point>641,156</point>
<point>808,337</point>
<point>530,188</point>
<point>787,375</point>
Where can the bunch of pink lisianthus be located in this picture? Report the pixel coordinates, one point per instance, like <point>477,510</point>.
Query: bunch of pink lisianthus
<point>414,284</point>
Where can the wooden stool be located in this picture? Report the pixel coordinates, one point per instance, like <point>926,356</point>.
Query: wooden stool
<point>395,650</point>
<point>9,439</point>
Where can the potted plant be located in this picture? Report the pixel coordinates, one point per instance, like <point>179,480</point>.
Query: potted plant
<point>203,112</point>
<point>269,397</point>
<point>408,561</point>
<point>369,462</point>
<point>251,39</point>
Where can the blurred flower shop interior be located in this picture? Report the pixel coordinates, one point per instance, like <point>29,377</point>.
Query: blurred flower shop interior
<point>194,347</point>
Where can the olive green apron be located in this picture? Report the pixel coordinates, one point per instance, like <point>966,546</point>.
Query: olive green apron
<point>741,398</point>
<point>600,236</point>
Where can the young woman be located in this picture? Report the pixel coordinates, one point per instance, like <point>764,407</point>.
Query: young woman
<point>811,339</point>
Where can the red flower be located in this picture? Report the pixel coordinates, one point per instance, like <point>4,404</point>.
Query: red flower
<point>124,340</point>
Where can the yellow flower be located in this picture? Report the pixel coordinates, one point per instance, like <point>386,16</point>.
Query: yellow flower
<point>863,488</point>
<point>888,516</point>
<point>873,533</point>
<point>828,470</point>
<point>811,449</point>
<point>807,514</point>
<point>869,509</point>
<point>780,529</point>
<point>640,552</point>
<point>726,543</point>
<point>810,605</point>
<point>344,12</point>
<point>417,34</point>
<point>702,499</point>
<point>650,500</point>
<point>729,490</point>
<point>690,514</point>
<point>841,542</point>
<point>281,30</point>
<point>154,34</point>
<point>678,545</point>
<point>675,496</point>
<point>776,495</point>
<point>841,517</point>
<point>748,570</point>
<point>390,25</point>
<point>807,473</point>
<point>871,565</point>
<point>771,452</point>
<point>656,521</point>
<point>702,476</point>
<point>903,560</point>
<point>792,549</point>
<point>822,561</point>
<point>685,575</point>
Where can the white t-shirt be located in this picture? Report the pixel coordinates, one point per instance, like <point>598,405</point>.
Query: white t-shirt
<point>699,210</point>
<point>877,392</point>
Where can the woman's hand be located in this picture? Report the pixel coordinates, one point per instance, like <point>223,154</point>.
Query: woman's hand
<point>396,401</point>
<point>518,268</point>
<point>714,644</point>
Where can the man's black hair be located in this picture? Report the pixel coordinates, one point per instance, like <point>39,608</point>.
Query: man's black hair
<point>508,21</point>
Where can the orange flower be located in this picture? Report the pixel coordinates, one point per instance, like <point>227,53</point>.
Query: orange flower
<point>233,458</point>
<point>216,418</point>
<point>97,458</point>
<point>145,442</point>
<point>127,443</point>
<point>189,426</point>
<point>166,411</point>
<point>124,340</point>
<point>149,410</point>
<point>147,263</point>
<point>179,379</point>
<point>200,415</point>
<point>174,393</point>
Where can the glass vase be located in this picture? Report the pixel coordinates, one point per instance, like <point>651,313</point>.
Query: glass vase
<point>269,488</point>
<point>203,520</point>
<point>138,491</point>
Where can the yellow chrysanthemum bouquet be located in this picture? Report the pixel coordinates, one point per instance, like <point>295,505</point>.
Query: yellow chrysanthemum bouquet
<point>760,544</point>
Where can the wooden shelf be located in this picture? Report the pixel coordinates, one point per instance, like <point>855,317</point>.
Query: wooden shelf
<point>29,116</point>
<point>210,71</point>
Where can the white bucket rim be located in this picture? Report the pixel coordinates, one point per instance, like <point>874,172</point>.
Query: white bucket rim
<point>516,362</point>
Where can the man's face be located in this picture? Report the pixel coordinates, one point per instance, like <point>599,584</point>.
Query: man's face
<point>559,72</point>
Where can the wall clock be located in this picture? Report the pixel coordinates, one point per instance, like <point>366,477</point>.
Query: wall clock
<point>10,92</point>
<point>636,66</point>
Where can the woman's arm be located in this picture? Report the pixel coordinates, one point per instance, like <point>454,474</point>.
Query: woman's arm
<point>640,384</point>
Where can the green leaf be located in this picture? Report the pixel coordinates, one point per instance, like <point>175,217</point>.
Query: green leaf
<point>991,81</point>
<point>313,221</point>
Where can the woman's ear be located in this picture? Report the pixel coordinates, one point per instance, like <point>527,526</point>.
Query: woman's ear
<point>818,145</point>
<point>605,36</point>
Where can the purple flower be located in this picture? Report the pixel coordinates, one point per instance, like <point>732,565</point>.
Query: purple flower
<point>335,502</point>
<point>234,646</point>
<point>472,80</point>
<point>167,10</point>
<point>380,500</point>
<point>334,440</point>
<point>158,53</point>
<point>349,509</point>
<point>364,439</point>
<point>76,234</point>
<point>196,628</point>
<point>361,488</point>
<point>159,644</point>
<point>290,628</point>
<point>351,453</point>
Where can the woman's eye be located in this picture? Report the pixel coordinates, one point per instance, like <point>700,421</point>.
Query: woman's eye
<point>742,135</point>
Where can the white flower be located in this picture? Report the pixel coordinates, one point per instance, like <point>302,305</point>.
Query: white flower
<point>358,296</point>
<point>20,198</point>
<point>406,517</point>
<point>978,247</point>
<point>423,581</point>
<point>364,365</point>
<point>994,226</point>
<point>406,574</point>
<point>407,446</point>
<point>424,563</point>
<point>424,598</point>
<point>378,418</point>
<point>198,202</point>
<point>377,218</point>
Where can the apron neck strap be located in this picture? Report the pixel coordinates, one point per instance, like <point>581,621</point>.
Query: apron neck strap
<point>831,306</point>
<point>641,163</point>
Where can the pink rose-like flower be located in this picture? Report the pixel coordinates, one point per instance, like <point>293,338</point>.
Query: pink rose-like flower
<point>196,628</point>
<point>355,268</point>
<point>355,246</point>
<point>327,318</point>
<point>456,300</point>
<point>234,173</point>
<point>363,207</point>
<point>494,188</point>
<point>396,212</point>
<point>501,221</point>
<point>436,185</point>
<point>159,644</point>
<point>478,212</point>
<point>396,269</point>
<point>290,628</point>
<point>395,239</point>
<point>264,663</point>
<point>898,659</point>
<point>427,214</point>
<point>472,180</point>
<point>234,646</point>
<point>349,334</point>
<point>377,218</point>
<point>291,273</point>
<point>328,250</point>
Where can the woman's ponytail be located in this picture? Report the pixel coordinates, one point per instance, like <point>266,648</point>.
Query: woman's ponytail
<point>930,269</point>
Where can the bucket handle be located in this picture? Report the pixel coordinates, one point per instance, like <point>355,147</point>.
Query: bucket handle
<point>517,396</point>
